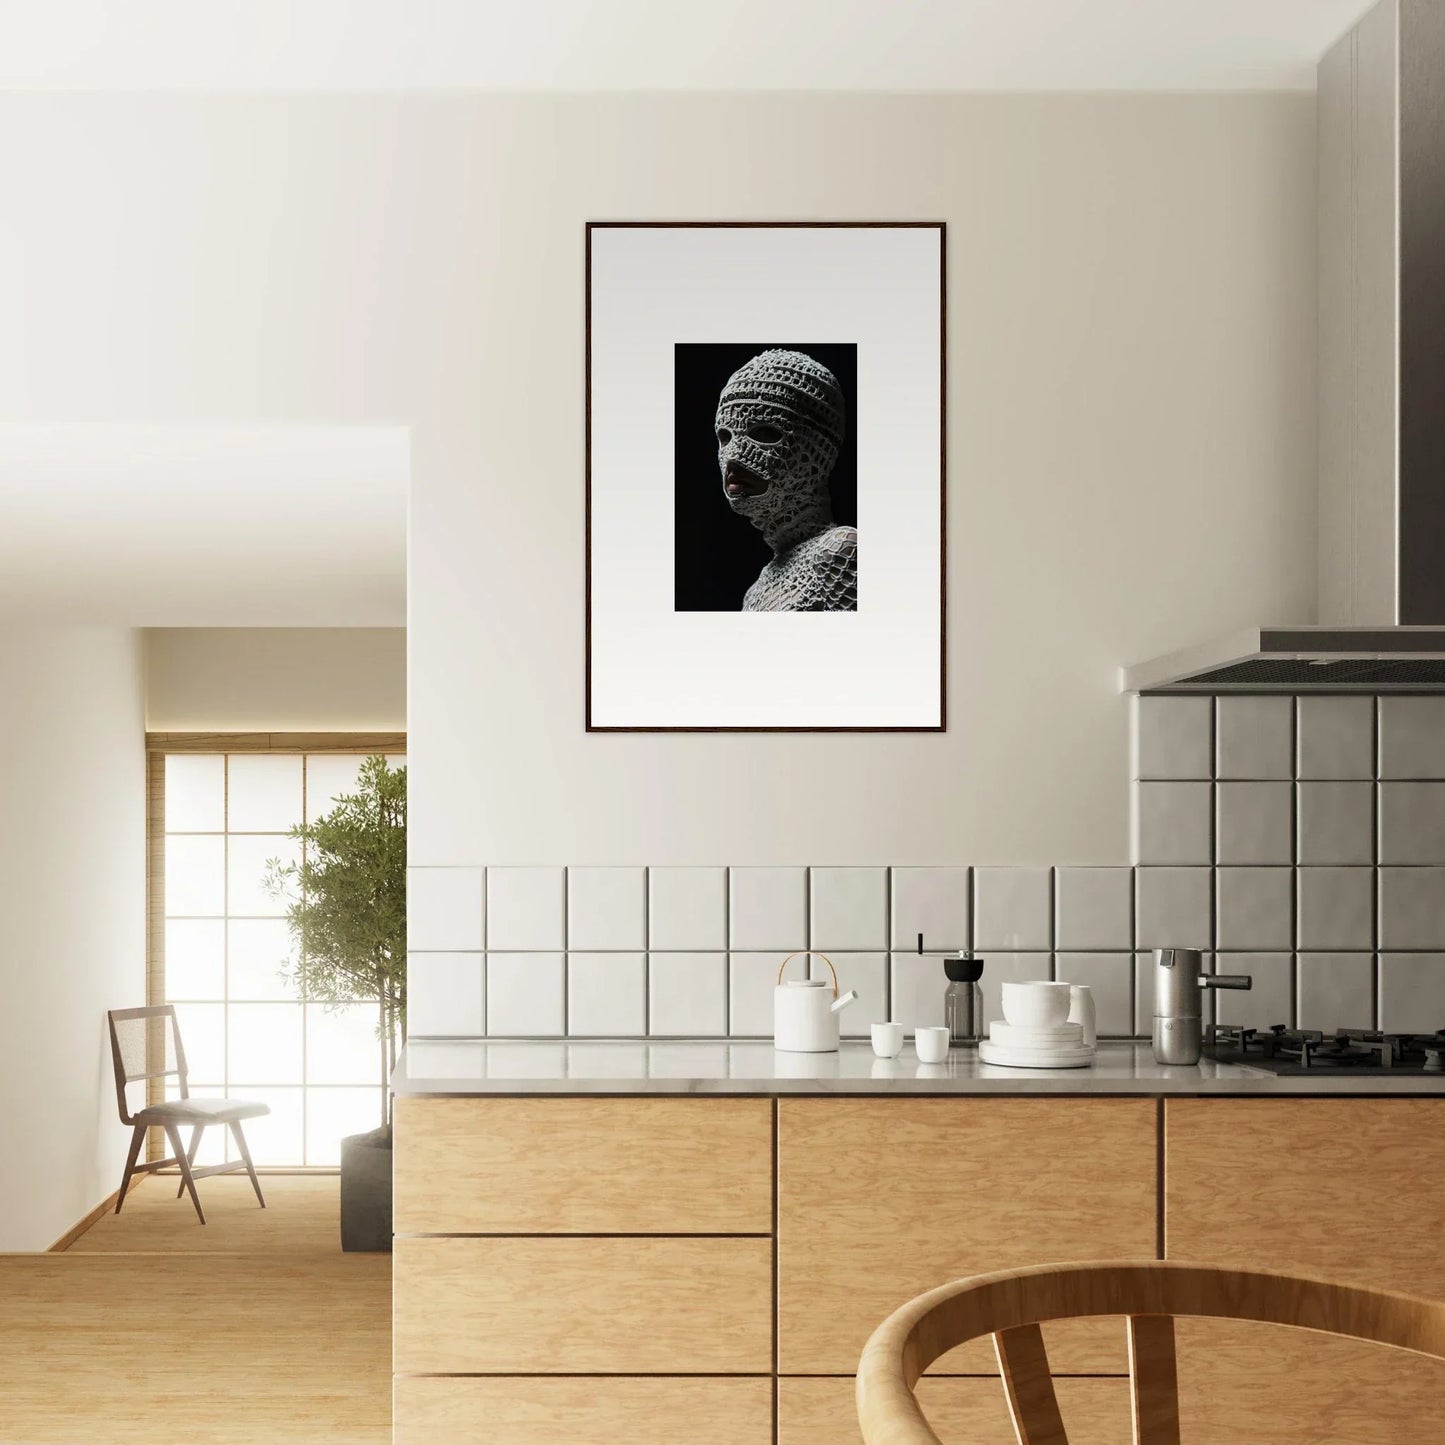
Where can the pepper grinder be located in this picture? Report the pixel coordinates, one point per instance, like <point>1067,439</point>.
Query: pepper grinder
<point>963,999</point>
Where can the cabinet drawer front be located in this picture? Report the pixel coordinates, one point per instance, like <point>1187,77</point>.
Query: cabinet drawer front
<point>594,1411</point>
<point>823,1412</point>
<point>584,1166</point>
<point>880,1200</point>
<point>575,1306</point>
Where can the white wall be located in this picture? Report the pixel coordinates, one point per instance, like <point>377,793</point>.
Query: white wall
<point>286,679</point>
<point>72,896</point>
<point>1131,421</point>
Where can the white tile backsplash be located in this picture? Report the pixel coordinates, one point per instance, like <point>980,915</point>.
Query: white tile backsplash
<point>526,994</point>
<point>933,902</point>
<point>917,985</point>
<point>752,977</point>
<point>1336,823</point>
<point>1412,822</point>
<point>445,995</point>
<point>1254,823</point>
<point>444,909</point>
<point>1254,909</point>
<point>1173,908</point>
<point>1110,977</point>
<point>1336,909</point>
<point>688,909</point>
<point>1269,1000</point>
<point>1412,737</point>
<point>1254,737</point>
<point>1412,908</point>
<point>767,908</point>
<point>1336,991</point>
<point>687,994</point>
<point>1412,992</point>
<point>1173,737</point>
<point>606,908</point>
<point>1012,909</point>
<point>848,908</point>
<point>525,909</point>
<point>1094,909</point>
<point>1335,737</point>
<point>607,995</point>
<point>1172,823</point>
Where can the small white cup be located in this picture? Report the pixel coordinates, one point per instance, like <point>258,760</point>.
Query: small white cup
<point>931,1043</point>
<point>1081,1011</point>
<point>887,1040</point>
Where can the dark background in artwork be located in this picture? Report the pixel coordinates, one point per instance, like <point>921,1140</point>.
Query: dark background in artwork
<point>717,554</point>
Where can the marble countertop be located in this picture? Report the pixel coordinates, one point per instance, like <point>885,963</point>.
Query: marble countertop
<point>721,1066</point>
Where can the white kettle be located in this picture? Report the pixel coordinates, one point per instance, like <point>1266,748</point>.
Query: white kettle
<point>805,1011</point>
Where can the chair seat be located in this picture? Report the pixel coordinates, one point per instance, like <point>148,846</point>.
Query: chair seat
<point>201,1111</point>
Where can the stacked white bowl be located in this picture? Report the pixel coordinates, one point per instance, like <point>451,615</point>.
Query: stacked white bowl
<point>1035,1032</point>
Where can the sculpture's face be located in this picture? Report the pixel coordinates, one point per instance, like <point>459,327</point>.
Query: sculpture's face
<point>779,425</point>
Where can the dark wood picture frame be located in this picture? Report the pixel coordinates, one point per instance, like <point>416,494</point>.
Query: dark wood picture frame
<point>942,228</point>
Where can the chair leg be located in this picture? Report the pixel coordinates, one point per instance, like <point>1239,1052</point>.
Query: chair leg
<point>191,1155</point>
<point>246,1155</point>
<point>137,1138</point>
<point>173,1133</point>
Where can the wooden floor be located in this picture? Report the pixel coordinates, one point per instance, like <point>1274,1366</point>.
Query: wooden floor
<point>251,1330</point>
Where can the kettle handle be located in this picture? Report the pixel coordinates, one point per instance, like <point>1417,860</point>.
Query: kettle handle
<point>810,953</point>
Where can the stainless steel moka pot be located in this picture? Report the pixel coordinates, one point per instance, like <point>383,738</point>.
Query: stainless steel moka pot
<point>1179,984</point>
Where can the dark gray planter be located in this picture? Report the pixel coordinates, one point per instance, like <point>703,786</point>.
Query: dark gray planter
<point>366,1192</point>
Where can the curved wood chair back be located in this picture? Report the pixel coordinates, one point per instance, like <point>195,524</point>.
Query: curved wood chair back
<point>1012,1304</point>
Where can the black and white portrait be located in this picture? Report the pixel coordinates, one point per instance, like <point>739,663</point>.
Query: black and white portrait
<point>765,476</point>
<point>765,490</point>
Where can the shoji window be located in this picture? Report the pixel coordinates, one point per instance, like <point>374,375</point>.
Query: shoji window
<point>221,952</point>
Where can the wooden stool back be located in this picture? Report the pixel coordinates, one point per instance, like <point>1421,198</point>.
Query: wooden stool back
<point>1012,1304</point>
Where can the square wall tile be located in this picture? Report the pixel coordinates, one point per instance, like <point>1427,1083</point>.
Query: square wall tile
<point>1412,822</point>
<point>526,994</point>
<point>444,909</point>
<point>1336,909</point>
<point>1336,991</point>
<point>1173,737</point>
<point>1254,823</point>
<point>1173,908</point>
<point>1144,994</point>
<point>445,995</point>
<point>1172,823</point>
<point>688,909</point>
<point>1110,977</point>
<point>752,977</point>
<point>1012,908</point>
<point>768,908</point>
<point>1412,992</point>
<point>933,902</point>
<point>607,908</point>
<point>1254,737</point>
<point>917,990</point>
<point>866,972</point>
<point>607,995</point>
<point>1094,908</point>
<point>525,909</point>
<point>848,908</point>
<point>1412,737</point>
<point>1412,908</point>
<point>1003,968</point>
<point>687,994</point>
<point>1335,737</point>
<point>1336,822</point>
<point>1254,909</point>
<point>1268,1000</point>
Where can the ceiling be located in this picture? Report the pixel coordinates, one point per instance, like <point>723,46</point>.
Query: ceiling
<point>348,45</point>
<point>159,526</point>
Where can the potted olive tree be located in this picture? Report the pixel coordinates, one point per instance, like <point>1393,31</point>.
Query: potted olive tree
<point>346,908</point>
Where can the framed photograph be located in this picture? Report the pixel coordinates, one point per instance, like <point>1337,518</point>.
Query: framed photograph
<point>765,476</point>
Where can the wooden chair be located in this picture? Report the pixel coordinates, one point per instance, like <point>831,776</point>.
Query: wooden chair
<point>145,1043</point>
<point>1011,1305</point>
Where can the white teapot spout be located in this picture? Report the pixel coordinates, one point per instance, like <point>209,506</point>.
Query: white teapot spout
<point>841,1003</point>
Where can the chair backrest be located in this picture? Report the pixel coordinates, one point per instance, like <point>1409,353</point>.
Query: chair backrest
<point>145,1044</point>
<point>1012,1304</point>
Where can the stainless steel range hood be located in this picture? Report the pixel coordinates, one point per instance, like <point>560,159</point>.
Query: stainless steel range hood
<point>1381,400</point>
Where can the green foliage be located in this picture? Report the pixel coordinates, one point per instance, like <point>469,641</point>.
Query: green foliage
<point>346,900</point>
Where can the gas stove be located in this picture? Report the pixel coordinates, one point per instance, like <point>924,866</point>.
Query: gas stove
<point>1282,1050</point>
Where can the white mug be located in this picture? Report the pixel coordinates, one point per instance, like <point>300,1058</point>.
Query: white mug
<point>887,1040</point>
<point>1081,1011</point>
<point>932,1044</point>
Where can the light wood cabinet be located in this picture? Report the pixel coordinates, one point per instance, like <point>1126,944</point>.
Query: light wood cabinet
<point>592,1411</point>
<point>879,1200</point>
<point>822,1412</point>
<point>584,1166</point>
<point>1349,1189</point>
<point>579,1306</point>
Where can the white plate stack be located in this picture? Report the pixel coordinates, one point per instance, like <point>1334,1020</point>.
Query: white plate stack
<point>1035,1032</point>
